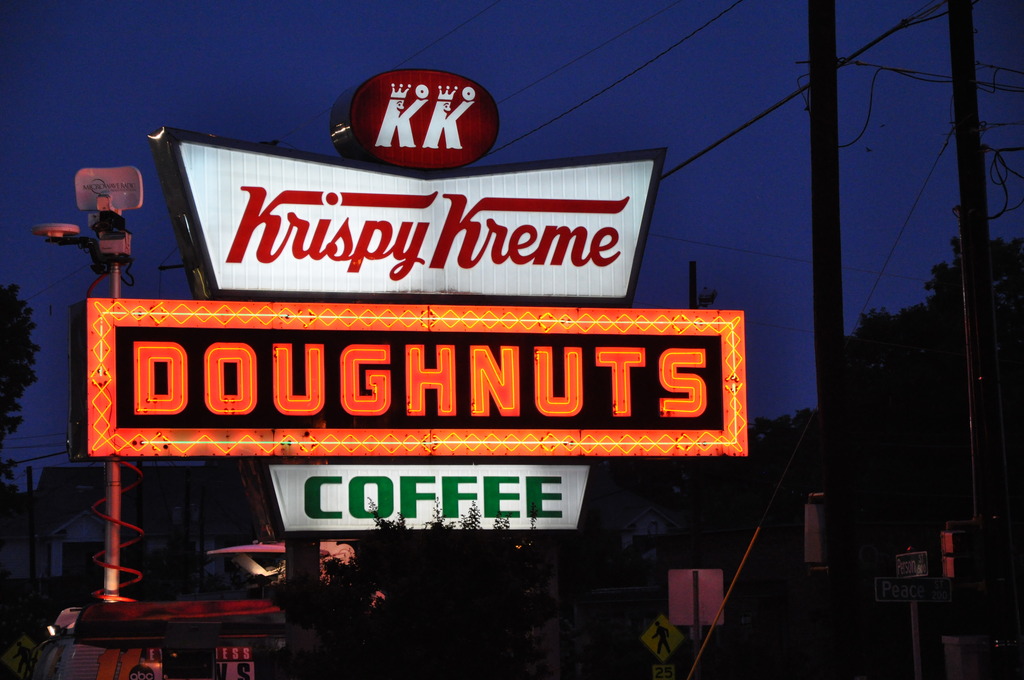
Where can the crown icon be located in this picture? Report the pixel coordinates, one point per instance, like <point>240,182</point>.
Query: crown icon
<point>397,92</point>
<point>445,93</point>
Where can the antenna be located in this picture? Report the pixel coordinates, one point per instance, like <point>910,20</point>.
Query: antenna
<point>104,193</point>
<point>121,187</point>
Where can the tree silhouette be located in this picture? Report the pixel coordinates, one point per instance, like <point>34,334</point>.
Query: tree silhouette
<point>447,601</point>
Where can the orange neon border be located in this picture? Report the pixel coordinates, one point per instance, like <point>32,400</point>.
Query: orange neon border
<point>106,440</point>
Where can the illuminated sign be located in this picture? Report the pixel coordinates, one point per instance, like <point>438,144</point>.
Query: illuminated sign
<point>416,118</point>
<point>337,498</point>
<point>183,378</point>
<point>257,222</point>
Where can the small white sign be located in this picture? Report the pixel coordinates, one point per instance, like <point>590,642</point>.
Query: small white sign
<point>333,498</point>
<point>121,186</point>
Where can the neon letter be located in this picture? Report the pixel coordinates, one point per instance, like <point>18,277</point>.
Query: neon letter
<point>152,397</point>
<point>620,360</point>
<point>489,380</point>
<point>375,398</point>
<point>544,380</point>
<point>242,398</point>
<point>285,399</point>
<point>693,385</point>
<point>418,379</point>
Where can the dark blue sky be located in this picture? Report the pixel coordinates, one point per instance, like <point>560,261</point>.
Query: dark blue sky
<point>83,84</point>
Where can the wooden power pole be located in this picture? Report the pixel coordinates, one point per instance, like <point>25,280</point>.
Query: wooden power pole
<point>988,445</point>
<point>829,339</point>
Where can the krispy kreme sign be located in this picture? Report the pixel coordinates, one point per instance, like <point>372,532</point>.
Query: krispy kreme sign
<point>415,118</point>
<point>258,222</point>
<point>327,499</point>
<point>184,378</point>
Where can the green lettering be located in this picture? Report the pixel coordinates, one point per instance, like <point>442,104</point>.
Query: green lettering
<point>535,496</point>
<point>357,497</point>
<point>313,501</point>
<point>410,496</point>
<point>493,497</point>
<point>450,495</point>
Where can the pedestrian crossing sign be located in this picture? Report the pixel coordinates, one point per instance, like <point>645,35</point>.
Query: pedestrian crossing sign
<point>662,638</point>
<point>20,657</point>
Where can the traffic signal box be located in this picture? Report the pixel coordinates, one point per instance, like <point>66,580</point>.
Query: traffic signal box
<point>961,546</point>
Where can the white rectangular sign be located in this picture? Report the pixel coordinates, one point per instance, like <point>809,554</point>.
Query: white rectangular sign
<point>260,223</point>
<point>328,499</point>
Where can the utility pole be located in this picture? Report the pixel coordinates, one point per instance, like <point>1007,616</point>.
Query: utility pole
<point>988,445</point>
<point>829,339</point>
<point>32,575</point>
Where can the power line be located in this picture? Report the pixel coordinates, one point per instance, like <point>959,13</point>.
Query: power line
<point>406,60</point>
<point>623,78</point>
<point>790,258</point>
<point>903,227</point>
<point>34,436</point>
<point>919,18</point>
<point>29,446</point>
<point>49,455</point>
<point>589,52</point>
<point>424,49</point>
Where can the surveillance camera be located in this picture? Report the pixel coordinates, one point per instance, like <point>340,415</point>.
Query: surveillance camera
<point>55,230</point>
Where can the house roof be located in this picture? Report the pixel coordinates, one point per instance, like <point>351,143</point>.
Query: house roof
<point>621,509</point>
<point>213,490</point>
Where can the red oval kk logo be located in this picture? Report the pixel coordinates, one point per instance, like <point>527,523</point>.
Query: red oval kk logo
<point>417,118</point>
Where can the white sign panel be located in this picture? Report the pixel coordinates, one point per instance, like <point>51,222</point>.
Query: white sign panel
<point>269,225</point>
<point>122,186</point>
<point>338,498</point>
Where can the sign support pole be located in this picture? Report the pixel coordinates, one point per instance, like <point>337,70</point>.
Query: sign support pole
<point>915,639</point>
<point>112,475</point>
<point>695,631</point>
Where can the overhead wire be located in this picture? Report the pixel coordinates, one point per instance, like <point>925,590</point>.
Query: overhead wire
<point>311,120</point>
<point>993,86</point>
<point>586,54</point>
<point>790,258</point>
<point>921,17</point>
<point>903,227</point>
<point>439,39</point>
<point>623,78</point>
<point>999,173</point>
<point>867,117</point>
<point>33,436</point>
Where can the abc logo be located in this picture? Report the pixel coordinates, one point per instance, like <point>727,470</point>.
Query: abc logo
<point>141,672</point>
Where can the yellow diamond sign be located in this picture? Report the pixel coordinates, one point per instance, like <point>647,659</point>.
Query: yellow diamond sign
<point>662,638</point>
<point>20,657</point>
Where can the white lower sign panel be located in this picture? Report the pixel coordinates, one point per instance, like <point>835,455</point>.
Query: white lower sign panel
<point>333,498</point>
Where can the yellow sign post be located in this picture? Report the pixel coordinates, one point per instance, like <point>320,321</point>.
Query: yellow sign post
<point>20,657</point>
<point>662,638</point>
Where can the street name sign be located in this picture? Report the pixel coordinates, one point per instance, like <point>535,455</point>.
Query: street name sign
<point>912,564</point>
<point>913,590</point>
